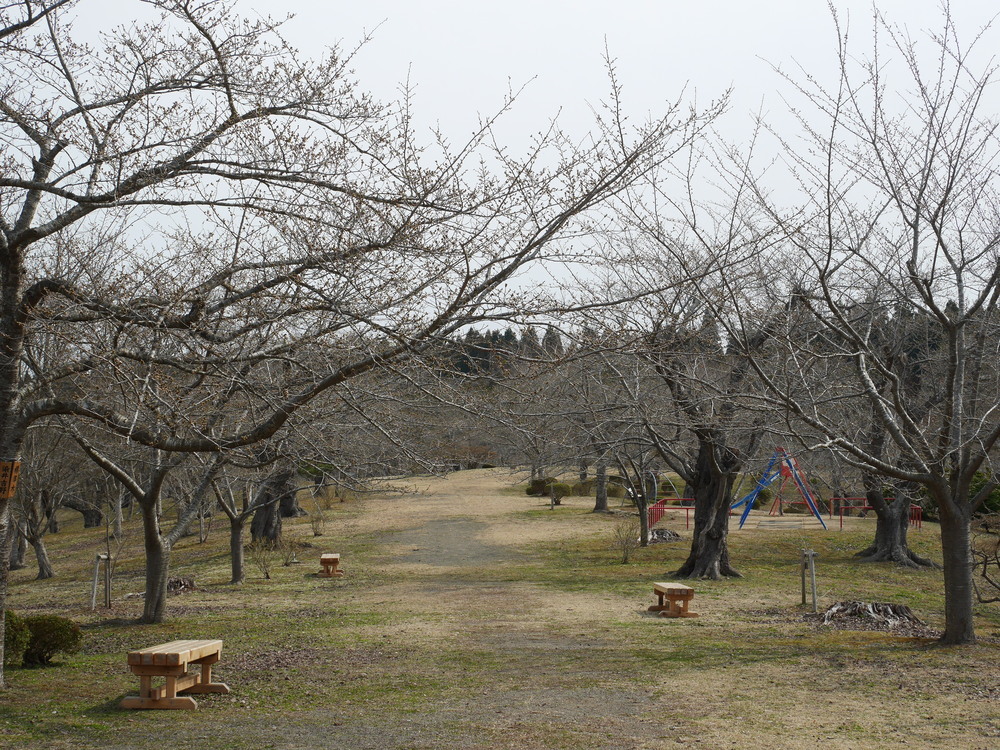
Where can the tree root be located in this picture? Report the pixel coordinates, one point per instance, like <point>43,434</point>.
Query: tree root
<point>903,556</point>
<point>884,613</point>
<point>713,572</point>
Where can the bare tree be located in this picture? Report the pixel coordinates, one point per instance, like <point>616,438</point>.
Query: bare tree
<point>190,198</point>
<point>899,211</point>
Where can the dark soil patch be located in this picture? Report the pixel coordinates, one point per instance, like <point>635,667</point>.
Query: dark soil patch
<point>450,542</point>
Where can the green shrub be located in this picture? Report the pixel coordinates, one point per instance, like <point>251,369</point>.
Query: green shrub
<point>539,486</point>
<point>992,502</point>
<point>50,635</point>
<point>15,640</point>
<point>615,490</point>
<point>583,489</point>
<point>765,496</point>
<point>559,490</point>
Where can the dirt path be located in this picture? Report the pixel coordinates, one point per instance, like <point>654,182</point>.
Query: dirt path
<point>572,667</point>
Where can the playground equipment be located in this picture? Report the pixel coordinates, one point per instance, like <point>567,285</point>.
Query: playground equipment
<point>861,505</point>
<point>784,465</point>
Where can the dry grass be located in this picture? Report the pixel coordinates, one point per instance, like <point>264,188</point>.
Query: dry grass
<point>471,616</point>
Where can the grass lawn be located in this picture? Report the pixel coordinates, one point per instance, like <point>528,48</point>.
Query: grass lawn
<point>471,616</point>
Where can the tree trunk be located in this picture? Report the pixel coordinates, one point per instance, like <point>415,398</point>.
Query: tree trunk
<point>958,587</point>
<point>601,489</point>
<point>643,507</point>
<point>157,567</point>
<point>236,549</point>
<point>289,504</point>
<point>18,548</point>
<point>266,522</point>
<point>583,469</point>
<point>116,528</point>
<point>4,577</point>
<point>891,527</point>
<point>92,515</point>
<point>42,558</point>
<point>713,491</point>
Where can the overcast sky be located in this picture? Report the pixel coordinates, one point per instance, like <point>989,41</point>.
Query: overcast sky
<point>462,55</point>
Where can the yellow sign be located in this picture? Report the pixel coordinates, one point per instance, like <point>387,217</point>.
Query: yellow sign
<point>9,473</point>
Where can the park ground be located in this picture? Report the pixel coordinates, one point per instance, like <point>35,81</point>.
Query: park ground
<point>472,616</point>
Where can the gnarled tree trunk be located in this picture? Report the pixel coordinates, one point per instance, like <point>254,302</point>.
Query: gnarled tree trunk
<point>42,558</point>
<point>157,550</point>
<point>266,524</point>
<point>891,527</point>
<point>712,483</point>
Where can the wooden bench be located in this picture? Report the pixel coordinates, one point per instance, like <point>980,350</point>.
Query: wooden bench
<point>171,660</point>
<point>331,563</point>
<point>678,598</point>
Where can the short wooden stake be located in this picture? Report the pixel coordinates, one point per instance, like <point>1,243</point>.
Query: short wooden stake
<point>107,581</point>
<point>809,561</point>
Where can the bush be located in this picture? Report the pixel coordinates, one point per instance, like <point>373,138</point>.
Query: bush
<point>583,489</point>
<point>765,496</point>
<point>262,553</point>
<point>288,548</point>
<point>625,538</point>
<point>615,490</point>
<point>539,486</point>
<point>559,490</point>
<point>50,635</point>
<point>15,640</point>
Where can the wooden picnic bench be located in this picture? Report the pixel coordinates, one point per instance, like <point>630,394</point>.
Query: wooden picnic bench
<point>331,563</point>
<point>170,661</point>
<point>678,597</point>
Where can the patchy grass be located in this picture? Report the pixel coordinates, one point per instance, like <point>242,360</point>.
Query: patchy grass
<point>471,617</point>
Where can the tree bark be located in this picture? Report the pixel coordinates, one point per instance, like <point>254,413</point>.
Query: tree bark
<point>642,506</point>
<point>4,577</point>
<point>236,557</point>
<point>601,489</point>
<point>18,548</point>
<point>891,527</point>
<point>92,515</point>
<point>157,567</point>
<point>289,505</point>
<point>42,558</point>
<point>116,528</point>
<point>713,490</point>
<point>958,588</point>
<point>266,522</point>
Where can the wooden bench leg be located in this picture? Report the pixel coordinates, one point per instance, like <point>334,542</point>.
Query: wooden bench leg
<point>204,683</point>
<point>331,571</point>
<point>678,608</point>
<point>176,680</point>
<point>659,606</point>
<point>180,702</point>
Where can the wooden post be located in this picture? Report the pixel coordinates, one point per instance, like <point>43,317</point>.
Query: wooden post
<point>802,574</point>
<point>107,581</point>
<point>809,561</point>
